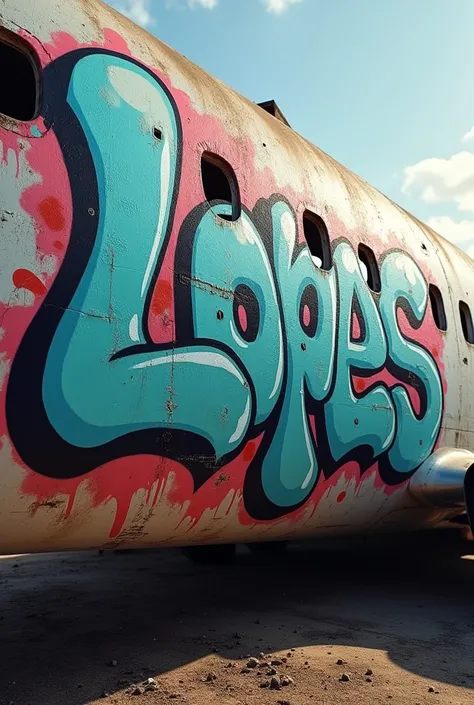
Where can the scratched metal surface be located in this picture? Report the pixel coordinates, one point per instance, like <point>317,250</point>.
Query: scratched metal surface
<point>170,375</point>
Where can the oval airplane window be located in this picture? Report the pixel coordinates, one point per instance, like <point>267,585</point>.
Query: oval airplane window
<point>369,268</point>
<point>364,270</point>
<point>466,322</point>
<point>19,96</point>
<point>437,306</point>
<point>220,184</point>
<point>317,238</point>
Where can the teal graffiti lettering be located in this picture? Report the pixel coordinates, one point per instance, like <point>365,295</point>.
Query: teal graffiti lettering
<point>264,339</point>
<point>93,393</point>
<point>403,283</point>
<point>368,419</point>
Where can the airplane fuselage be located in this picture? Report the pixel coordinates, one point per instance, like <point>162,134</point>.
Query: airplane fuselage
<point>211,331</point>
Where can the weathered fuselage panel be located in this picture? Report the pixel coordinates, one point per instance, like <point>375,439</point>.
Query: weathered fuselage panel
<point>176,368</point>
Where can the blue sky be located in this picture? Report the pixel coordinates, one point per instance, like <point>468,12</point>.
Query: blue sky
<point>384,86</point>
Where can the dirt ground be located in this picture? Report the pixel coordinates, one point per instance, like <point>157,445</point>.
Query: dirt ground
<point>397,618</point>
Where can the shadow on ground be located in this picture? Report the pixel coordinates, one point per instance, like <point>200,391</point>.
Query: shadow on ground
<point>65,617</point>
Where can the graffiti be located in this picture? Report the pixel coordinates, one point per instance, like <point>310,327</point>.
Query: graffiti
<point>266,343</point>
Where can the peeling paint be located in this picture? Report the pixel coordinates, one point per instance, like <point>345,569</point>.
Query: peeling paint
<point>4,367</point>
<point>18,240</point>
<point>206,286</point>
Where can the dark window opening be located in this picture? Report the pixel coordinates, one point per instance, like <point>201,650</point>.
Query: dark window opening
<point>157,134</point>
<point>466,322</point>
<point>317,238</point>
<point>437,306</point>
<point>369,268</point>
<point>220,184</point>
<point>19,94</point>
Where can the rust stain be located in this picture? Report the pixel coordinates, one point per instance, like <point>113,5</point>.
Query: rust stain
<point>170,406</point>
<point>206,286</point>
<point>47,504</point>
<point>213,289</point>
<point>51,503</point>
<point>222,478</point>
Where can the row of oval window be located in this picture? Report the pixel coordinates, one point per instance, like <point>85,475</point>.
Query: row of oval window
<point>220,184</point>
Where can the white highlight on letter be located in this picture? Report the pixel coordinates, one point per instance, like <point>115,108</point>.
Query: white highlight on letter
<point>241,424</point>
<point>133,329</point>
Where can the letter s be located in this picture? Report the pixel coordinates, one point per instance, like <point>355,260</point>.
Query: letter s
<point>403,286</point>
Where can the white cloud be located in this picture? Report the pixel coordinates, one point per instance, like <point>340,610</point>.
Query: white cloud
<point>469,135</point>
<point>460,232</point>
<point>278,6</point>
<point>183,4</point>
<point>443,180</point>
<point>139,11</point>
<point>451,180</point>
<point>275,6</point>
<point>208,4</point>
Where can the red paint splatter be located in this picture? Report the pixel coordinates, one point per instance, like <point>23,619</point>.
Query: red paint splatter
<point>355,332</point>
<point>58,244</point>
<point>70,503</point>
<point>362,383</point>
<point>306,315</point>
<point>359,384</point>
<point>147,470</point>
<point>312,424</point>
<point>112,481</point>
<point>242,313</point>
<point>162,297</point>
<point>51,211</point>
<point>24,279</point>
<point>249,451</point>
<point>341,497</point>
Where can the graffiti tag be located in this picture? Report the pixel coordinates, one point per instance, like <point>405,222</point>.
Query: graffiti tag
<point>278,351</point>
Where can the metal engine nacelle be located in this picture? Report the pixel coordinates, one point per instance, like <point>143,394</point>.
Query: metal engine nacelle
<point>446,481</point>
